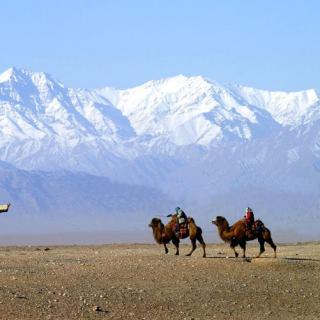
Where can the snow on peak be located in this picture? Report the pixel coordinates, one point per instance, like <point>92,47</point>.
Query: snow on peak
<point>38,111</point>
<point>6,75</point>
<point>287,108</point>
<point>176,83</point>
<point>188,110</point>
<point>41,117</point>
<point>12,74</point>
<point>24,76</point>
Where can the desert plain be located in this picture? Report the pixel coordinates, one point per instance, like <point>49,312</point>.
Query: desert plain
<point>138,281</point>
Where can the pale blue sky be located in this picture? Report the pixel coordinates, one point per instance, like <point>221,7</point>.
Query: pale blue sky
<point>123,43</point>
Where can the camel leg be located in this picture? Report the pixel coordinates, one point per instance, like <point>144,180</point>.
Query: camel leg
<point>262,249</point>
<point>233,244</point>
<point>165,248</point>
<point>200,239</point>
<point>273,246</point>
<point>243,247</point>
<point>236,254</point>
<point>194,246</point>
<point>176,243</point>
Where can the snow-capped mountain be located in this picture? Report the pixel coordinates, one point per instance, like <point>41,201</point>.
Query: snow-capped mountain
<point>180,111</point>
<point>186,111</point>
<point>45,125</point>
<point>291,109</point>
<point>190,137</point>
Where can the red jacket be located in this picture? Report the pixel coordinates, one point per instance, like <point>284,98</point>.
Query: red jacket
<point>249,217</point>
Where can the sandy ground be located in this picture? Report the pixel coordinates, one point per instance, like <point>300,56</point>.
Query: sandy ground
<point>138,281</point>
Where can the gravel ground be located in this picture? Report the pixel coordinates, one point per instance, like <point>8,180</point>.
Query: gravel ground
<point>138,281</point>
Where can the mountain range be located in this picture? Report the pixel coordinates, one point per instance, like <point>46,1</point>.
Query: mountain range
<point>188,141</point>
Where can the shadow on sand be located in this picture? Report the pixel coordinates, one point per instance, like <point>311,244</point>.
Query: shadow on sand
<point>249,259</point>
<point>300,259</point>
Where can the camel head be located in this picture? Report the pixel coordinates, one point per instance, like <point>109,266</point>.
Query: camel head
<point>155,223</point>
<point>220,221</point>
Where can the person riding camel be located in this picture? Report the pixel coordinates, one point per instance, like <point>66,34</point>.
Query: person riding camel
<point>181,220</point>
<point>249,219</point>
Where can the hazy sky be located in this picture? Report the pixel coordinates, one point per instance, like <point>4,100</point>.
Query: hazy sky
<point>123,43</point>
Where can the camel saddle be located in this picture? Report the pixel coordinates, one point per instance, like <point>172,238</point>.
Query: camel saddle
<point>257,227</point>
<point>183,231</point>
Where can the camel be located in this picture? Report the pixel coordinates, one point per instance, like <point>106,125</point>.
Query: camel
<point>237,235</point>
<point>163,234</point>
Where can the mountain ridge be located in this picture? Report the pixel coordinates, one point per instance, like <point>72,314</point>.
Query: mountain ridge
<point>188,137</point>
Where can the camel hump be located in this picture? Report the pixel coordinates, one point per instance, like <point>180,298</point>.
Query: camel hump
<point>239,222</point>
<point>191,223</point>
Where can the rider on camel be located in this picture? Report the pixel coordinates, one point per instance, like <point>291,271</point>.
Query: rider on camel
<point>181,219</point>
<point>249,219</point>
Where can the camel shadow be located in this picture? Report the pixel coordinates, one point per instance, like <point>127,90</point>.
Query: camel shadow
<point>300,259</point>
<point>249,259</point>
<point>288,258</point>
<point>227,258</point>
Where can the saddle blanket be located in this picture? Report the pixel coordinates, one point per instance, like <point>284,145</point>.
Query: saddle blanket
<point>257,227</point>
<point>183,232</point>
